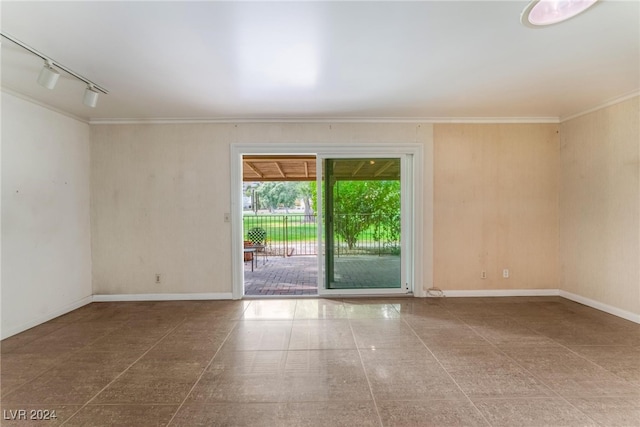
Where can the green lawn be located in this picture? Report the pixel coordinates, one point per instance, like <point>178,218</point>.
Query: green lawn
<point>295,230</point>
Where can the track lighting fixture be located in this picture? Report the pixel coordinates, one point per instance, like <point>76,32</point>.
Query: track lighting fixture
<point>90,97</point>
<point>49,75</point>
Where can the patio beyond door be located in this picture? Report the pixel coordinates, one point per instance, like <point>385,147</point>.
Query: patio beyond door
<point>362,221</point>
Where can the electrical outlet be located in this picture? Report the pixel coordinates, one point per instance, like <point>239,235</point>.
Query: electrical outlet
<point>505,273</point>
<point>157,278</point>
<point>483,275</point>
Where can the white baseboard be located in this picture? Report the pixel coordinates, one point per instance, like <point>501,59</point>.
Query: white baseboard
<point>624,314</point>
<point>601,306</point>
<point>503,293</point>
<point>161,297</point>
<point>42,319</point>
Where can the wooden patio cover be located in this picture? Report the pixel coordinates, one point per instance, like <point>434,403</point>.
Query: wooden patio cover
<point>303,168</point>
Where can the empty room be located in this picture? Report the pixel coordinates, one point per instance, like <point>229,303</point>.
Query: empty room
<point>230,213</point>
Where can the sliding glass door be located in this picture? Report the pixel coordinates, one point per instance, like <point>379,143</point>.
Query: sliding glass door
<point>363,225</point>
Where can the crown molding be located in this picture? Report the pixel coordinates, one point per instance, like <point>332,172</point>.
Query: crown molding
<point>42,104</point>
<point>606,104</point>
<point>416,120</point>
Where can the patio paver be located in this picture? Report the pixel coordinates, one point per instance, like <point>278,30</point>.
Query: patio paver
<point>298,275</point>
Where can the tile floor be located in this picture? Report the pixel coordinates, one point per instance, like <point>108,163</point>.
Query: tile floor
<point>315,362</point>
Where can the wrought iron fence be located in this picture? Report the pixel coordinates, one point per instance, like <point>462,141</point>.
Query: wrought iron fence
<point>296,234</point>
<point>366,234</point>
<point>286,235</point>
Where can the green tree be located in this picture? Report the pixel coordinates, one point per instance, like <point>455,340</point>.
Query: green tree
<point>387,212</point>
<point>276,194</point>
<point>306,193</point>
<point>360,204</point>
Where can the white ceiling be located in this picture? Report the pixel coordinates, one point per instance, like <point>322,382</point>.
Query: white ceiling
<point>437,60</point>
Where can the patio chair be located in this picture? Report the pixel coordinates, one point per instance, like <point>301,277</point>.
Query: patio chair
<point>248,256</point>
<point>258,238</point>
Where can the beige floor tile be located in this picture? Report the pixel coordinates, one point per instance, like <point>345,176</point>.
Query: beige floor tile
<point>445,338</point>
<point>219,387</point>
<point>322,414</point>
<point>430,413</point>
<point>15,342</point>
<point>308,414</point>
<point>471,358</point>
<point>498,381</point>
<point>70,337</point>
<point>402,375</point>
<point>157,378</point>
<point>191,341</point>
<point>592,386</point>
<point>238,414</point>
<point>371,309</point>
<point>50,389</point>
<point>271,309</point>
<point>570,374</point>
<point>321,334</point>
<point>123,415</point>
<point>612,411</point>
<point>503,331</point>
<point>385,333</point>
<point>260,335</point>
<point>264,362</point>
<point>324,375</point>
<point>439,319</point>
<point>207,323</point>
<point>146,389</point>
<point>320,309</point>
<point>244,376</point>
<point>130,339</point>
<point>329,362</point>
<point>18,369</point>
<point>532,413</point>
<point>623,361</point>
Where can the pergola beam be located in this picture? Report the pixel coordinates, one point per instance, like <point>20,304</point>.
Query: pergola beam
<point>384,168</point>
<point>280,170</point>
<point>254,169</point>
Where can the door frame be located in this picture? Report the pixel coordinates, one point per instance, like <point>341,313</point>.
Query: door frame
<point>414,175</point>
<point>407,260</point>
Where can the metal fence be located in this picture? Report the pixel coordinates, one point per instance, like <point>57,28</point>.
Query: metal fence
<point>286,235</point>
<point>296,234</point>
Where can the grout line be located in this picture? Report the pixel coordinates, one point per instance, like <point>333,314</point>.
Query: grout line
<point>206,368</point>
<point>124,371</point>
<point>558,395</point>
<point>54,365</point>
<point>445,370</point>
<point>373,397</point>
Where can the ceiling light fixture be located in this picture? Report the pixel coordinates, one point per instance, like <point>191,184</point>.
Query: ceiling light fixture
<point>540,13</point>
<point>48,76</point>
<point>90,97</point>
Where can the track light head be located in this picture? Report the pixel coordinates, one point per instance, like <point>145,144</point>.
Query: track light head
<point>48,76</point>
<point>90,97</point>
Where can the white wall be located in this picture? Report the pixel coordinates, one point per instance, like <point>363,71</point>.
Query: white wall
<point>600,207</point>
<point>160,191</point>
<point>159,194</point>
<point>496,206</point>
<point>46,243</point>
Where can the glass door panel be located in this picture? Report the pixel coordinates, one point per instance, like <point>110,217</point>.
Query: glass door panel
<point>363,226</point>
